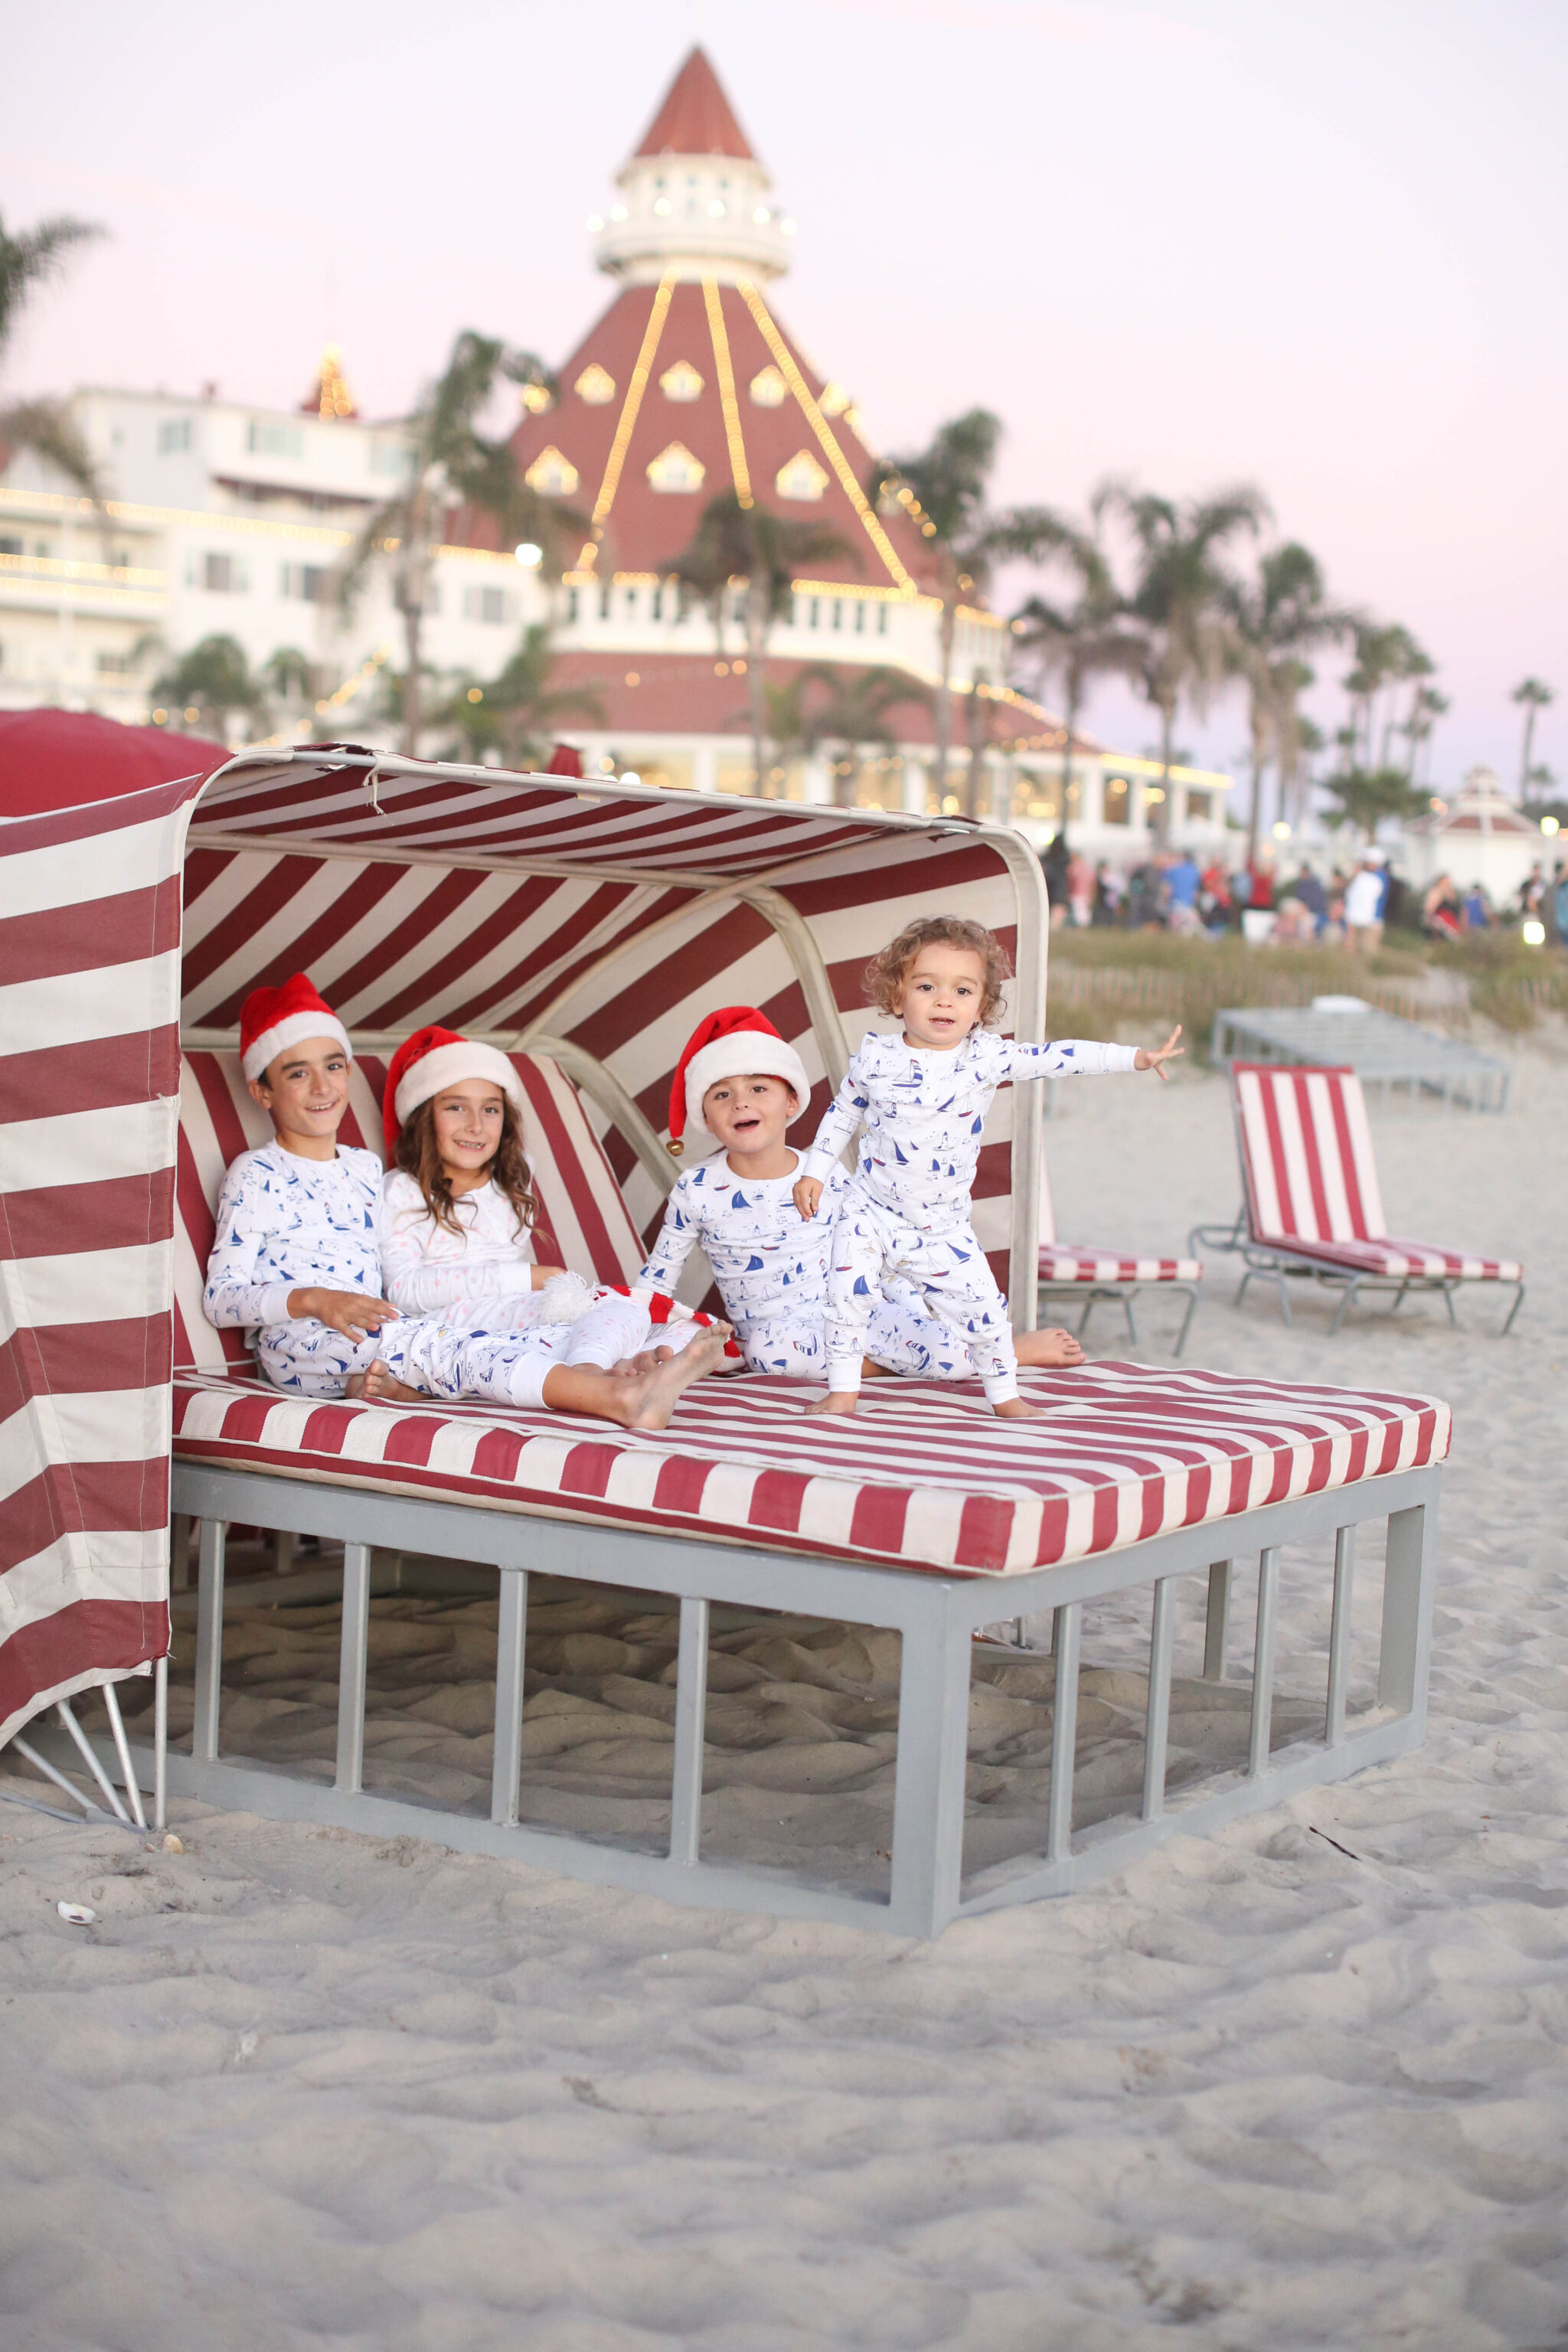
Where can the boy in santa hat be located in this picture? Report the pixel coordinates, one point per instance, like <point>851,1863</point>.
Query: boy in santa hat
<point>296,1259</point>
<point>739,1084</point>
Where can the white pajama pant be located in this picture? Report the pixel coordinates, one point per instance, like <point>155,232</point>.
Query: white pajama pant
<point>500,1366</point>
<point>873,1247</point>
<point>899,1337</point>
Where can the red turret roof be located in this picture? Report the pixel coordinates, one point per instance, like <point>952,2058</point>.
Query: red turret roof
<point>696,117</point>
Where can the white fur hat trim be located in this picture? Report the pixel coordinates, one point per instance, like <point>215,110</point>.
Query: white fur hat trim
<point>449,1065</point>
<point>743,1053</point>
<point>292,1031</point>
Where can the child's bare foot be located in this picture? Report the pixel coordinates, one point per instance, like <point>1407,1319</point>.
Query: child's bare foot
<point>841,1402</point>
<point>1017,1408</point>
<point>1048,1347</point>
<point>378,1387</point>
<point>652,1395</point>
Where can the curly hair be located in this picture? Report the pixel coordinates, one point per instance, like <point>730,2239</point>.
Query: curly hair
<point>887,974</point>
<point>419,1152</point>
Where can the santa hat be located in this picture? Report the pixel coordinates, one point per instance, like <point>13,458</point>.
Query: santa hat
<point>273,1019</point>
<point>432,1060</point>
<point>565,761</point>
<point>738,1042</point>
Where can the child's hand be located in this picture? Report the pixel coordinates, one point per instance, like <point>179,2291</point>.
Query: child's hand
<point>807,1195</point>
<point>546,1274</point>
<point>348,1311</point>
<point>1169,1052</point>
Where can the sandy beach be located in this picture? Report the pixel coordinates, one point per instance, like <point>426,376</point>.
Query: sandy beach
<point>1300,2084</point>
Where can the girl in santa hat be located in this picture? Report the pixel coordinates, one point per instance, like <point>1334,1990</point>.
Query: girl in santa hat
<point>739,1084</point>
<point>458,1212</point>
<point>296,1260</point>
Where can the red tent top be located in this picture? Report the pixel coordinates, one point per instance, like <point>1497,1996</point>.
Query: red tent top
<point>63,758</point>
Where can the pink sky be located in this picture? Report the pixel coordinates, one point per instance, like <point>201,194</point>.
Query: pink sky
<point>1319,248</point>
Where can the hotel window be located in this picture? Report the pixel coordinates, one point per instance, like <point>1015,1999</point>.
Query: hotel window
<point>220,575</point>
<point>838,613</point>
<point>860,614</point>
<point>571,604</point>
<point>1117,798</point>
<point>814,617</point>
<point>306,582</point>
<point>488,605</point>
<point>631,603</point>
<point>173,435</point>
<point>10,546</point>
<point>881,620</point>
<point>1200,808</point>
<point>115,664</point>
<point>656,605</point>
<point>603,600</point>
<point>738,606</point>
<point>273,440</point>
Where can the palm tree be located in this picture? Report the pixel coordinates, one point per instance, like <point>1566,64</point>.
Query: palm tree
<point>1535,697</point>
<point>735,541</point>
<point>942,489</point>
<point>1385,655</point>
<point>1181,599</point>
<point>451,463</point>
<point>518,710</point>
<point>213,681</point>
<point>1426,707</point>
<point>28,260</point>
<point>1363,797</point>
<point>1274,619</point>
<point>850,708</point>
<point>1078,641</point>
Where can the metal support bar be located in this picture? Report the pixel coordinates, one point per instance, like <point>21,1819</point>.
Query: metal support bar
<point>90,1759</point>
<point>1408,1610</point>
<point>691,1719</point>
<point>180,1552</point>
<point>511,1634</point>
<point>1064,1732</point>
<point>117,1727</point>
<point>161,1745</point>
<point>1263,1663</point>
<point>1157,1720</point>
<point>353,1659</point>
<point>41,1764</point>
<point>1340,1638</point>
<point>934,1752</point>
<point>1216,1624</point>
<point>209,1641</point>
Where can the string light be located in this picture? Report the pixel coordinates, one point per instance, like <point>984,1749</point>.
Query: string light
<point>635,390</point>
<point>728,403</point>
<point>819,426</point>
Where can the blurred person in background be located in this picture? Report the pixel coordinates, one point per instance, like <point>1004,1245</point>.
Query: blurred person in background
<point>1216,904</point>
<point>1109,891</point>
<point>1442,909</point>
<point>1364,906</point>
<point>1181,882</point>
<point>1080,889</point>
<point>1477,909</point>
<point>1054,864</point>
<point>1310,890</point>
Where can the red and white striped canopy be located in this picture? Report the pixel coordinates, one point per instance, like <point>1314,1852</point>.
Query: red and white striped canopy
<point>590,922</point>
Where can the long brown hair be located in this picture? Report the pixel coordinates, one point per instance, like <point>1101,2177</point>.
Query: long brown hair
<point>419,1152</point>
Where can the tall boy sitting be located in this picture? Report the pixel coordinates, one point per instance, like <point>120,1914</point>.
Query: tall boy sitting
<point>739,1084</point>
<point>296,1257</point>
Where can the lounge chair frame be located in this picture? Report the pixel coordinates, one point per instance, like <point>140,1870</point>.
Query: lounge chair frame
<point>937,1617</point>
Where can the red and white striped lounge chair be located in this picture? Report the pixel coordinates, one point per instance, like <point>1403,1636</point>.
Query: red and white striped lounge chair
<point>1311,1206</point>
<point>1074,1270</point>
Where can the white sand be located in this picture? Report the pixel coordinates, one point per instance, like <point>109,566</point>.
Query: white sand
<point>298,2087</point>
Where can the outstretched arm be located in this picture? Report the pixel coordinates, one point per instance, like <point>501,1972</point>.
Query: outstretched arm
<point>1087,1058</point>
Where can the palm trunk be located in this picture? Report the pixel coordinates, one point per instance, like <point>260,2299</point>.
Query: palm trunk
<point>1074,686</point>
<point>1259,762</point>
<point>412,634</point>
<point>1162,815</point>
<point>979,714</point>
<point>1524,754</point>
<point>756,647</point>
<point>941,715</point>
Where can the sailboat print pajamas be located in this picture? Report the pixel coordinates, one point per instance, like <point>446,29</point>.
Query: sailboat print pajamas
<point>286,1223</point>
<point>906,1210</point>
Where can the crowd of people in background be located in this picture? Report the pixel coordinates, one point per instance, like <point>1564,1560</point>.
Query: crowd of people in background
<point>1355,902</point>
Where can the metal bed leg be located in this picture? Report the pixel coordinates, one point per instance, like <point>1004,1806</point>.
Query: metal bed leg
<point>283,1553</point>
<point>1345,1304</point>
<point>209,1642</point>
<point>353,1659</point>
<point>1449,1303</point>
<point>1157,1720</point>
<point>1263,1663</point>
<point>1241,1287</point>
<point>121,1748</point>
<point>1192,1298</point>
<point>934,1749</point>
<point>691,1718</point>
<point>1217,1624</point>
<point>1131,1326</point>
<point>1289,1319</point>
<point>161,1745</point>
<point>1064,1735</point>
<point>1340,1638</point>
<point>90,1759</point>
<point>511,1634</point>
<point>1406,1614</point>
<point>180,1552</point>
<point>1513,1310</point>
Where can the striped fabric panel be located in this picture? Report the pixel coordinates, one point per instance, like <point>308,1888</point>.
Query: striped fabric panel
<point>1307,1155</point>
<point>924,1477</point>
<point>1078,1263</point>
<point>90,947</point>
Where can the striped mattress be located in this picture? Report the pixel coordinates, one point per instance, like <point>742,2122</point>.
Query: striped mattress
<point>924,1477</point>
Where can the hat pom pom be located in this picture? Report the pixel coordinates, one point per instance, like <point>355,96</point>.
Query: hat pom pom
<point>566,1298</point>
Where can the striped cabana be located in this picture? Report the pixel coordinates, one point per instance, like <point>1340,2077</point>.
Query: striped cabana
<point>590,922</point>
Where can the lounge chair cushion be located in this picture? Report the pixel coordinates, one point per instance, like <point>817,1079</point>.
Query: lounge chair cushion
<point>924,1476</point>
<point>1076,1261</point>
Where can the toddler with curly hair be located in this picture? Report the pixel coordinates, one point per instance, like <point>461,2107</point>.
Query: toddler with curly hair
<point>919,1102</point>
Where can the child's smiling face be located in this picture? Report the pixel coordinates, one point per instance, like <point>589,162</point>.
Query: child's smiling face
<point>306,1091</point>
<point>944,989</point>
<point>749,1116</point>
